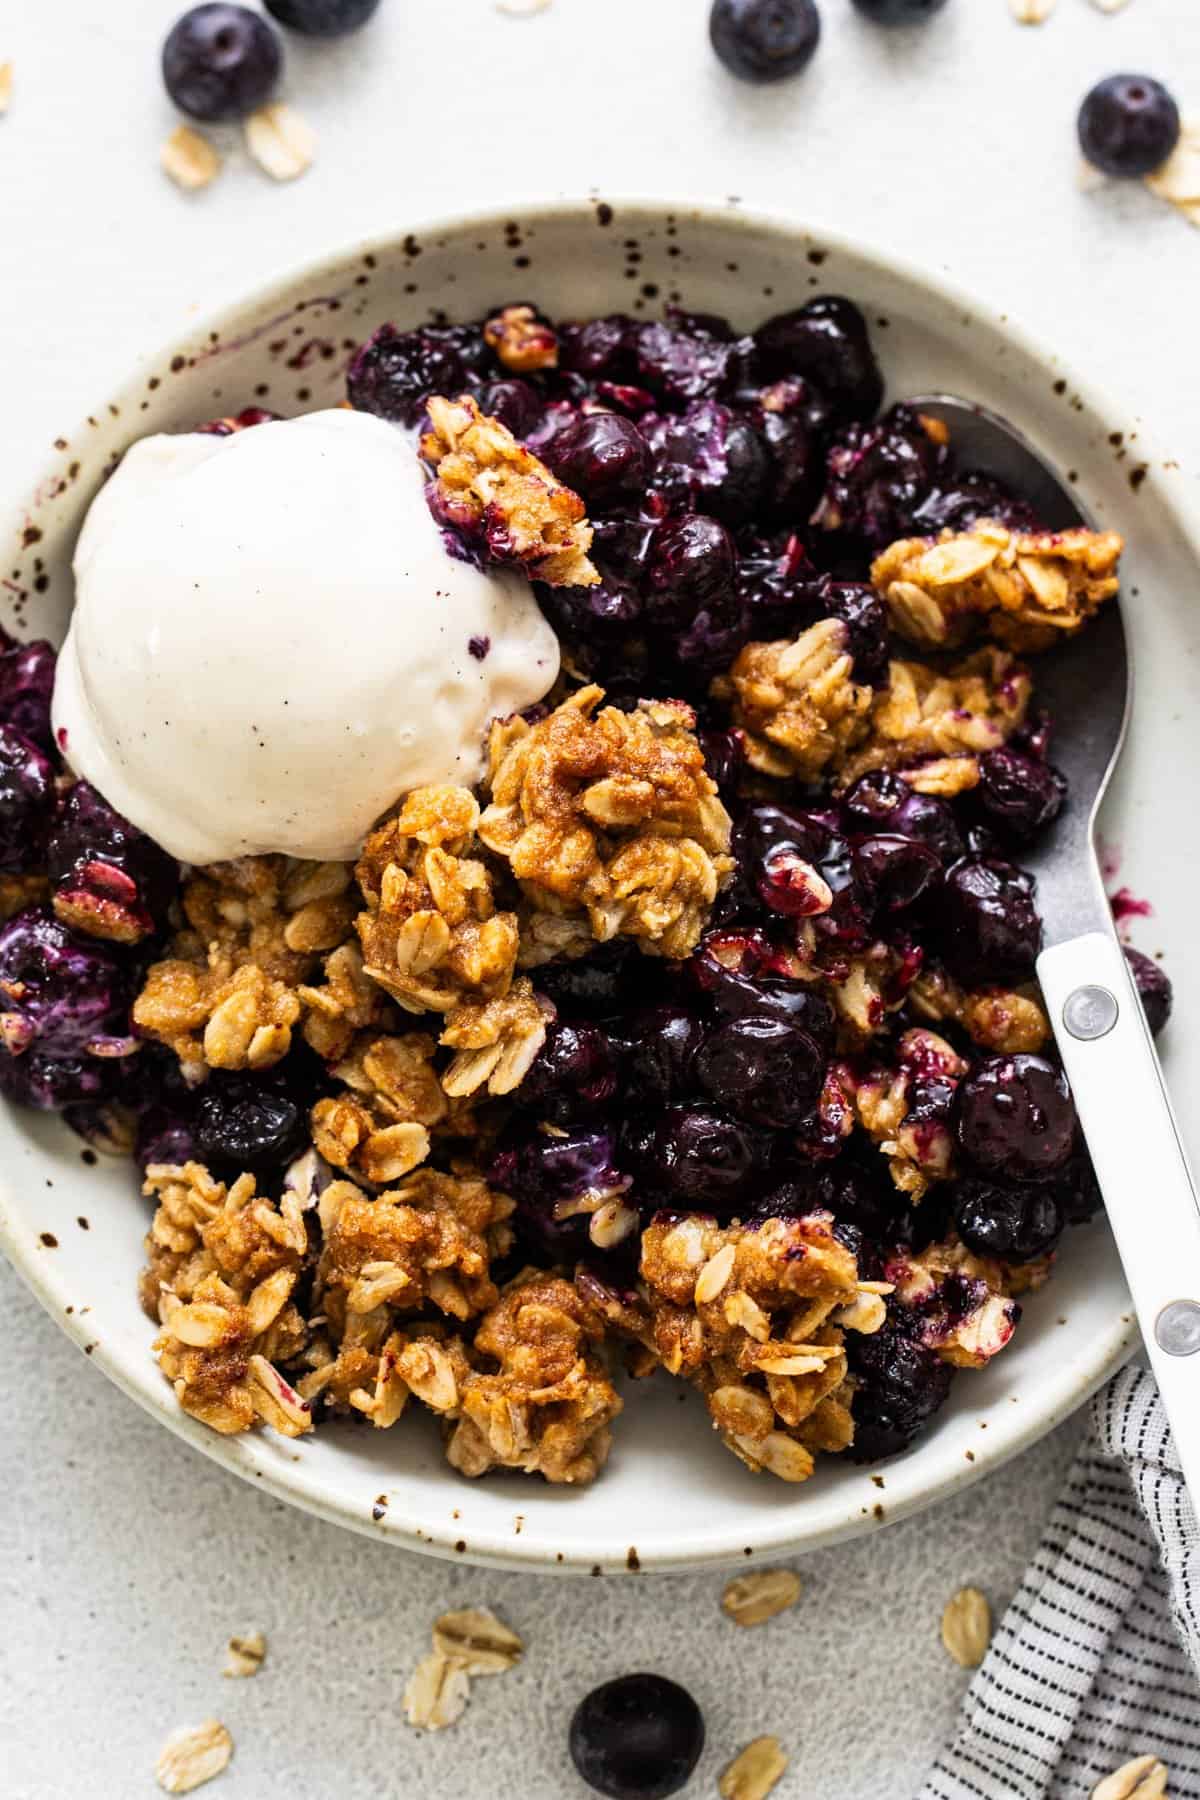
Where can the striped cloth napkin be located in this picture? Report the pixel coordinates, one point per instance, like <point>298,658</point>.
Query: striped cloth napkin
<point>1095,1663</point>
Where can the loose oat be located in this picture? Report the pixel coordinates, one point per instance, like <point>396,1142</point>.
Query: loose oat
<point>1109,6</point>
<point>752,1774</point>
<point>752,1599</point>
<point>245,1656</point>
<point>521,9</point>
<point>1178,180</point>
<point>478,1640</point>
<point>189,159</point>
<point>1145,1778</point>
<point>1031,12</point>
<point>437,1692</point>
<point>967,1627</point>
<point>192,1756</point>
<point>6,85</point>
<point>280,141</point>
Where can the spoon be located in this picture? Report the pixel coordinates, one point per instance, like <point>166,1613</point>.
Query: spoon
<point>1103,1039</point>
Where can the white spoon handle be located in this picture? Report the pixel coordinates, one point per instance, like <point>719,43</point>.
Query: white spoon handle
<point>1140,1163</point>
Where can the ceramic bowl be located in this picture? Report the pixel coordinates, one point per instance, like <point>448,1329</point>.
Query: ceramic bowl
<point>671,1496</point>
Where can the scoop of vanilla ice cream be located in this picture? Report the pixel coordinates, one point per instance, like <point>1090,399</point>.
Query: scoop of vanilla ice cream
<point>271,642</point>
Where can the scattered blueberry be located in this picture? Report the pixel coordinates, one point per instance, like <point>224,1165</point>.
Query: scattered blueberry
<point>1153,986</point>
<point>637,1738</point>
<point>221,62</point>
<point>322,18</point>
<point>899,12</point>
<point>764,40</point>
<point>1128,125</point>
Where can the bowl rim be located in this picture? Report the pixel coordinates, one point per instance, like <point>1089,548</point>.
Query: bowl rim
<point>1066,1389</point>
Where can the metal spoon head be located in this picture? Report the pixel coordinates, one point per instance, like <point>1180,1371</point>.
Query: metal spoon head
<point>1086,685</point>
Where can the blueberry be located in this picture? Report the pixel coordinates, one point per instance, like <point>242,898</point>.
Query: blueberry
<point>764,40</point>
<point>680,365</point>
<point>826,342</point>
<point>1016,1117</point>
<point>54,1083</point>
<point>322,18</point>
<point>662,1055</point>
<point>603,349</point>
<point>574,1072</point>
<point>958,501</point>
<point>724,758</point>
<point>164,1136</point>
<point>594,986</point>
<point>544,1174</point>
<point>1020,796</point>
<point>637,1738</point>
<point>394,372</point>
<point>109,879</point>
<point>883,802</point>
<point>1015,1223</point>
<point>220,62</point>
<point>877,475</point>
<point>707,459</point>
<point>703,1158</point>
<point>1153,986</point>
<point>26,688</point>
<point>733,971</point>
<point>691,563</point>
<point>59,995</point>
<point>516,403</point>
<point>248,1124</point>
<point>1128,125</point>
<point>602,456</point>
<point>895,871</point>
<point>899,12</point>
<point>763,1069</point>
<point>900,1385</point>
<point>864,614</point>
<point>991,929</point>
<point>26,800</point>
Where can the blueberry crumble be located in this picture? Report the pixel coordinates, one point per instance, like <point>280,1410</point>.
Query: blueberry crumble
<point>691,1021</point>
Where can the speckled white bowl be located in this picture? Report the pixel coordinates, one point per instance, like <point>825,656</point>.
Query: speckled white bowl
<point>670,1496</point>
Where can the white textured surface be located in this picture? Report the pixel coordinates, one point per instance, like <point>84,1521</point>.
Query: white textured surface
<point>127,1560</point>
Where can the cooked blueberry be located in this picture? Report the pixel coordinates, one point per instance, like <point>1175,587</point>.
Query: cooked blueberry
<point>764,40</point>
<point>827,343</point>
<point>899,12</point>
<point>394,372</point>
<point>689,365</point>
<point>703,1158</point>
<point>620,547</point>
<point>54,1083</point>
<point>690,565</point>
<point>877,475</point>
<point>883,802</point>
<point>1077,1189</point>
<point>734,970</point>
<point>764,1069</point>
<point>991,927</point>
<point>595,986</point>
<point>958,501</point>
<point>663,1046</point>
<point>865,617</point>
<point>26,800</point>
<point>59,994</point>
<point>514,402</point>
<point>1012,1222</point>
<point>1128,125</point>
<point>637,1738</point>
<point>220,62</point>
<point>26,688</point>
<point>246,1124</point>
<point>545,1174</point>
<point>164,1136</point>
<point>724,758</point>
<point>707,459</point>
<point>901,1385</point>
<point>1016,1117</point>
<point>109,879</point>
<point>777,843</point>
<point>574,1072</point>
<point>600,349</point>
<point>602,456</point>
<point>777,597</point>
<point>895,871</point>
<point>1018,794</point>
<point>322,18</point>
<point>1153,986</point>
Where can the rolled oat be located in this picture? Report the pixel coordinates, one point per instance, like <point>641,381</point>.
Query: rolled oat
<point>752,1599</point>
<point>1145,1778</point>
<point>437,1692</point>
<point>193,1755</point>
<point>477,1639</point>
<point>280,141</point>
<point>245,1656</point>
<point>752,1774</point>
<point>967,1627</point>
<point>189,159</point>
